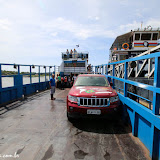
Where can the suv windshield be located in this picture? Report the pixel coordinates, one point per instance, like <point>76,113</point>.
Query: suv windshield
<point>91,81</point>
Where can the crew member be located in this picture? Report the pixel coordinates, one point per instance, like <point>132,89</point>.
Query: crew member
<point>52,86</point>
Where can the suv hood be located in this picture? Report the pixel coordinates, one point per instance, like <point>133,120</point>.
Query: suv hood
<point>89,91</point>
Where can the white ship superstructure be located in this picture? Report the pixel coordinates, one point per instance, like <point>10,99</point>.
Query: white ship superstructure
<point>73,62</point>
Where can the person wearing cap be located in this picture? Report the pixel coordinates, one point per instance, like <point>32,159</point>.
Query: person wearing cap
<point>52,85</point>
<point>65,81</point>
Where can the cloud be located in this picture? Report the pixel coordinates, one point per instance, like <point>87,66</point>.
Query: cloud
<point>5,24</point>
<point>94,18</point>
<point>54,34</point>
<point>80,31</point>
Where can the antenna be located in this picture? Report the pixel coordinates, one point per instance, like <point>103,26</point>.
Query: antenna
<point>141,24</point>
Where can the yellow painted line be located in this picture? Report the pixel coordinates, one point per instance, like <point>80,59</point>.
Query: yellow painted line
<point>143,46</point>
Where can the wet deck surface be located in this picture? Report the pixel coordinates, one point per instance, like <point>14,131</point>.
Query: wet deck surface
<point>38,129</point>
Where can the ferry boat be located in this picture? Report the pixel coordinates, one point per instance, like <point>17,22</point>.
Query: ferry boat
<point>74,62</point>
<point>134,43</point>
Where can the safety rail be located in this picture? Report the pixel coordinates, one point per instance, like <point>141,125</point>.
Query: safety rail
<point>19,88</point>
<point>138,69</point>
<point>145,121</point>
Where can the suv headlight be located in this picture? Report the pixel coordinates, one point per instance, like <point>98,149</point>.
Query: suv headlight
<point>72,98</point>
<point>114,99</point>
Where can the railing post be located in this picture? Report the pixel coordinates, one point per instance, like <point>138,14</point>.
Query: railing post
<point>54,72</point>
<point>102,69</point>
<point>49,72</point>
<point>156,96</point>
<point>106,70</point>
<point>0,77</point>
<point>18,70</point>
<point>30,74</point>
<point>18,83</point>
<point>39,74</point>
<point>113,74</point>
<point>0,84</point>
<point>45,73</point>
<point>125,78</point>
<point>156,106</point>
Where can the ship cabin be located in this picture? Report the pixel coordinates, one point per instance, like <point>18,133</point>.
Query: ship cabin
<point>73,62</point>
<point>134,43</point>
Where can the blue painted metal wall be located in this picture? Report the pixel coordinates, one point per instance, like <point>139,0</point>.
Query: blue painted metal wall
<point>145,121</point>
<point>10,94</point>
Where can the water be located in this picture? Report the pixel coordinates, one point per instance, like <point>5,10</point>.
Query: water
<point>9,81</point>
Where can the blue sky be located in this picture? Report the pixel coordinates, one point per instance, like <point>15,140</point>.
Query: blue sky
<point>37,31</point>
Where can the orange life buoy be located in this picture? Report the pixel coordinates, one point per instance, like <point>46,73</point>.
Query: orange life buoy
<point>125,46</point>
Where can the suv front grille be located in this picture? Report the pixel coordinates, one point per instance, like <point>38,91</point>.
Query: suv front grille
<point>93,102</point>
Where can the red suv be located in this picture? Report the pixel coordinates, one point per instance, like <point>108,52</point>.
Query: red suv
<point>90,95</point>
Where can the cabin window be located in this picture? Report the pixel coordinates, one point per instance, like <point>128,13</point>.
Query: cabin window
<point>137,36</point>
<point>155,36</point>
<point>74,64</point>
<point>146,36</point>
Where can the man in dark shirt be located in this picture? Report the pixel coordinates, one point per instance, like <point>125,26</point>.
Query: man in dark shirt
<point>52,86</point>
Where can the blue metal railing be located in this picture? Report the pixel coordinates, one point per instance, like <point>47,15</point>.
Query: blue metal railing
<point>145,122</point>
<point>19,89</point>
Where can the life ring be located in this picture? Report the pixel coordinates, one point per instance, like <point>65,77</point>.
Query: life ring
<point>125,46</point>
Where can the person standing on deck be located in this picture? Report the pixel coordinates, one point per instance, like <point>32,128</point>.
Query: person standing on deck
<point>62,83</point>
<point>59,81</point>
<point>65,81</point>
<point>52,86</point>
<point>74,78</point>
<point>69,81</point>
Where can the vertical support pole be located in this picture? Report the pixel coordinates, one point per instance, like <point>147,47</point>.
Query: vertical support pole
<point>0,83</point>
<point>0,77</point>
<point>125,78</point>
<point>39,74</point>
<point>156,106</point>
<point>18,83</point>
<point>156,96</point>
<point>18,70</point>
<point>45,73</point>
<point>54,70</point>
<point>49,73</point>
<point>113,74</point>
<point>149,65</point>
<point>102,69</point>
<point>106,69</point>
<point>30,74</point>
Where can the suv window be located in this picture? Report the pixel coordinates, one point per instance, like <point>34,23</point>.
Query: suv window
<point>91,81</point>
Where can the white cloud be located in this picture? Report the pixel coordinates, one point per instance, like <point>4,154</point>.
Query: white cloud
<point>54,34</point>
<point>5,24</point>
<point>94,18</point>
<point>80,31</point>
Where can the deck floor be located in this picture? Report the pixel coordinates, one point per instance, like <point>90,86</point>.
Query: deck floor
<point>37,129</point>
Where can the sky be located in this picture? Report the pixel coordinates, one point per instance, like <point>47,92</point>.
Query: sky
<point>37,31</point>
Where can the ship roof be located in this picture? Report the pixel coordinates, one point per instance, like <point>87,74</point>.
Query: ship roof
<point>122,39</point>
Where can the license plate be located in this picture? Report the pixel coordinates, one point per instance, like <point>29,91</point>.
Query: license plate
<point>93,111</point>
